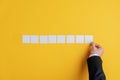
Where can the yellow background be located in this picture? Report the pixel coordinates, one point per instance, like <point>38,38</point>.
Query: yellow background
<point>100,18</point>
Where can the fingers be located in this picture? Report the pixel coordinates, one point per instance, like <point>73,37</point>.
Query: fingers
<point>98,46</point>
<point>95,45</point>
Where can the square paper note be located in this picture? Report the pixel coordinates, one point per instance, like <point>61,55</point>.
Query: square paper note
<point>88,39</point>
<point>79,39</point>
<point>43,39</point>
<point>70,38</point>
<point>25,39</point>
<point>34,39</point>
<point>60,39</point>
<point>52,38</point>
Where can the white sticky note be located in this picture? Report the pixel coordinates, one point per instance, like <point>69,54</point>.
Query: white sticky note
<point>79,39</point>
<point>25,39</point>
<point>43,39</point>
<point>52,38</point>
<point>34,39</point>
<point>70,38</point>
<point>88,39</point>
<point>60,39</point>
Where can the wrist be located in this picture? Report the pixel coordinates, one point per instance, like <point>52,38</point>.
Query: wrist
<point>94,54</point>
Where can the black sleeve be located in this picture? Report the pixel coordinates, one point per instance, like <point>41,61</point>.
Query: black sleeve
<point>95,68</point>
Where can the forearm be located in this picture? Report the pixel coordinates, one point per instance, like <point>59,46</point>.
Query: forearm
<point>95,68</point>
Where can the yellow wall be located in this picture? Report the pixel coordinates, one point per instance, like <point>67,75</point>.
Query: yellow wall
<point>100,18</point>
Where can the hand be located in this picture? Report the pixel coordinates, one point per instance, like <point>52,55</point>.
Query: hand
<point>96,49</point>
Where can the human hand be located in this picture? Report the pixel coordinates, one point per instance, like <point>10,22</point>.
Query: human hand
<point>96,49</point>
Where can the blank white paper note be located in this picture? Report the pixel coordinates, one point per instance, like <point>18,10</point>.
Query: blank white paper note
<point>34,39</point>
<point>25,39</point>
<point>52,38</point>
<point>79,39</point>
<point>60,39</point>
<point>88,39</point>
<point>70,38</point>
<point>43,39</point>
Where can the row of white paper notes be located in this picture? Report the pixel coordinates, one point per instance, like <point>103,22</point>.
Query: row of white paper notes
<point>57,39</point>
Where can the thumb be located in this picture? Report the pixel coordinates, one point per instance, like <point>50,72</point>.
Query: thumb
<point>93,45</point>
